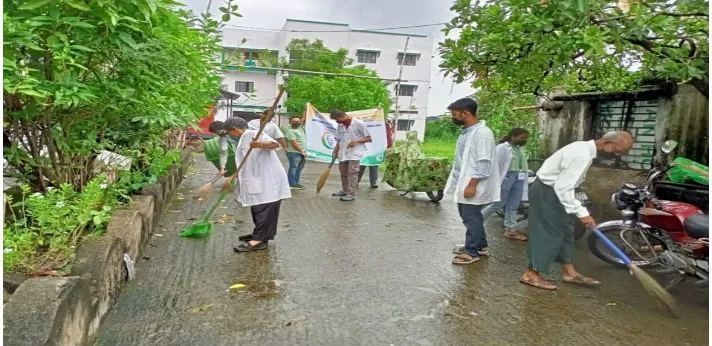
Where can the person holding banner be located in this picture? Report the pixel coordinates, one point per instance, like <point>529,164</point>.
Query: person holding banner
<point>352,138</point>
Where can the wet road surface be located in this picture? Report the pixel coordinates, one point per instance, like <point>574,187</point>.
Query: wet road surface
<point>372,272</point>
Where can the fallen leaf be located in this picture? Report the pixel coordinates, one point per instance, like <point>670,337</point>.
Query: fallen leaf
<point>158,235</point>
<point>180,198</point>
<point>611,304</point>
<point>175,211</point>
<point>238,286</point>
<point>202,308</point>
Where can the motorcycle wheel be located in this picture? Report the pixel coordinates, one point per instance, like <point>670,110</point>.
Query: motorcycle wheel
<point>435,196</point>
<point>600,250</point>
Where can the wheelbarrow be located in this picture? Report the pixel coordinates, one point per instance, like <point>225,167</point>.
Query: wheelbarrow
<point>409,170</point>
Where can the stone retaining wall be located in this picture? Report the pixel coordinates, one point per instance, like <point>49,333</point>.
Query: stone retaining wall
<point>70,310</point>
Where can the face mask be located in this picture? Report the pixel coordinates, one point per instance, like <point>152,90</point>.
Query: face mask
<point>458,122</point>
<point>296,125</point>
<point>520,143</point>
<point>236,139</point>
<point>222,134</point>
<point>605,155</point>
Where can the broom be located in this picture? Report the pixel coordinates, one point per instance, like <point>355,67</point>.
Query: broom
<point>664,299</point>
<point>204,191</point>
<point>204,227</point>
<point>324,176</point>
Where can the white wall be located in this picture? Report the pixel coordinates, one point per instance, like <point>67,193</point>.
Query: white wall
<point>343,37</point>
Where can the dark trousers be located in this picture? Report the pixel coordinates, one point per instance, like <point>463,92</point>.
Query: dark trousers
<point>551,229</point>
<point>475,236</point>
<point>265,216</point>
<point>372,174</point>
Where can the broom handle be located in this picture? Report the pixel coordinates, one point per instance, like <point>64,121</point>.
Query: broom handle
<point>215,206</point>
<point>263,123</point>
<point>612,246</point>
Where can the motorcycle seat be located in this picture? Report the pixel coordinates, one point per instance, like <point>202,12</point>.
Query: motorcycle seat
<point>697,226</point>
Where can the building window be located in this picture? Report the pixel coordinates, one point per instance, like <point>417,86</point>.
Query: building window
<point>244,87</point>
<point>636,117</point>
<point>405,124</point>
<point>410,59</point>
<point>366,57</point>
<point>406,90</point>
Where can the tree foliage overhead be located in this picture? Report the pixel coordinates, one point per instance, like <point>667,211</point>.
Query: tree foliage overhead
<point>328,92</point>
<point>83,76</point>
<point>532,45</point>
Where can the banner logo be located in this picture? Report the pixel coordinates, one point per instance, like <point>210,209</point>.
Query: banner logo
<point>328,140</point>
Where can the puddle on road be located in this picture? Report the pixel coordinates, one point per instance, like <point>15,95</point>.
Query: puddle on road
<point>259,289</point>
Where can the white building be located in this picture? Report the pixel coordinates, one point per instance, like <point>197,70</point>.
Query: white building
<point>379,51</point>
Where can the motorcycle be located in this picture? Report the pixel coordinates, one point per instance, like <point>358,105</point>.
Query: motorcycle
<point>662,236</point>
<point>579,229</point>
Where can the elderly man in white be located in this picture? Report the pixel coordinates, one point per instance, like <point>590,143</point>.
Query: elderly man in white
<point>262,183</point>
<point>474,179</point>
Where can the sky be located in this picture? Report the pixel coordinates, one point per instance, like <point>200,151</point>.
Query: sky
<point>359,14</point>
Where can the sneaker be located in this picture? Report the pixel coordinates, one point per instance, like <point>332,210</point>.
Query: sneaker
<point>339,194</point>
<point>348,198</point>
<point>297,187</point>
<point>301,187</point>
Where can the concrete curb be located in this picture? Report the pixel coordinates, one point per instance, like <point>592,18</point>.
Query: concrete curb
<point>70,310</point>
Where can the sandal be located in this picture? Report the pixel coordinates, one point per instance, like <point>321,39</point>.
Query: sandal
<point>248,247</point>
<point>515,236</point>
<point>582,280</point>
<point>463,259</point>
<point>539,283</point>
<point>482,252</point>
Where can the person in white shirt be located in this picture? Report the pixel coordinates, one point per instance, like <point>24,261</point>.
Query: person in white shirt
<point>551,201</point>
<point>262,182</point>
<point>272,130</point>
<point>353,136</point>
<point>474,179</point>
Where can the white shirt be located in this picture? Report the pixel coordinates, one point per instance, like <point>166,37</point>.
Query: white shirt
<point>357,130</point>
<point>262,179</point>
<point>566,170</point>
<point>478,145</point>
<point>271,129</point>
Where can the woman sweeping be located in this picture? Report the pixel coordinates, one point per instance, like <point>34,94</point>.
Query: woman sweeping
<point>262,183</point>
<point>512,162</point>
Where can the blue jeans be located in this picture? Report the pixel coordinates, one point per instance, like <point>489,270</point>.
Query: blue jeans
<point>510,196</point>
<point>475,237</point>
<point>295,168</point>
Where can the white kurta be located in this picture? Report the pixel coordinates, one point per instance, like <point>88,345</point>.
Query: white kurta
<point>503,152</point>
<point>262,179</point>
<point>479,144</point>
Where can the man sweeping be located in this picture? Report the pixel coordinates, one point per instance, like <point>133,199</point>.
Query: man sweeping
<point>474,179</point>
<point>262,183</point>
<point>353,136</point>
<point>552,199</point>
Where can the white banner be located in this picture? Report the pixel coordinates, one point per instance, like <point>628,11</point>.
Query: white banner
<point>321,135</point>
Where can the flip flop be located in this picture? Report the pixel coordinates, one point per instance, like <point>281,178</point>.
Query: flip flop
<point>464,259</point>
<point>541,283</point>
<point>515,236</point>
<point>482,252</point>
<point>583,281</point>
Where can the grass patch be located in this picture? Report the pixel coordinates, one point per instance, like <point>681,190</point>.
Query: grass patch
<point>440,148</point>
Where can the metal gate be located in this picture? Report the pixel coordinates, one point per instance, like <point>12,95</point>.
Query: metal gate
<point>636,117</point>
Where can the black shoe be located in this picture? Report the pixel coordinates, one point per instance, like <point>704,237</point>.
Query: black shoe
<point>246,237</point>
<point>249,248</point>
<point>374,186</point>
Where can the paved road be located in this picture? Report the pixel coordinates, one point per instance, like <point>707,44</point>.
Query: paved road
<point>373,272</point>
